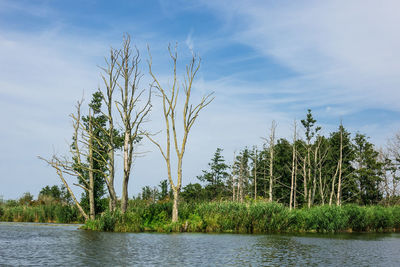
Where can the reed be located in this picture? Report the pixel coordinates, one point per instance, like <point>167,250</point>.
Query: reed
<point>56,212</point>
<point>249,217</point>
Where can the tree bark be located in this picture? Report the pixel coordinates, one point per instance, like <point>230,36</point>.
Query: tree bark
<point>91,175</point>
<point>339,191</point>
<point>255,175</point>
<point>175,216</point>
<point>292,187</point>
<point>271,159</point>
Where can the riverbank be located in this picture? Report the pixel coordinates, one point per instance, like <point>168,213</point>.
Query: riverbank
<point>218,217</point>
<point>251,217</point>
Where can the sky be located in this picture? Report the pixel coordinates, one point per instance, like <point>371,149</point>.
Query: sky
<point>264,61</point>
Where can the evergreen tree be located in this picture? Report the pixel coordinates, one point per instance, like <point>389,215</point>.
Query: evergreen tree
<point>282,161</point>
<point>163,189</point>
<point>368,171</point>
<point>216,177</point>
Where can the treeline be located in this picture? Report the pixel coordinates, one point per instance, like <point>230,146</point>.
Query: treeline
<point>316,170</point>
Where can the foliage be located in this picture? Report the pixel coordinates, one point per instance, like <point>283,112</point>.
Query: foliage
<point>59,213</point>
<point>215,178</point>
<point>249,217</point>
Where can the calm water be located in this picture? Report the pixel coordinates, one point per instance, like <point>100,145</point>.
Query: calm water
<point>65,245</point>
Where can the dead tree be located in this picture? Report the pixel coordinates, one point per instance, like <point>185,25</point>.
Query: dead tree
<point>339,190</point>
<point>234,178</point>
<point>132,115</point>
<point>190,114</point>
<point>255,174</point>
<point>76,167</point>
<point>271,158</point>
<point>64,168</point>
<point>338,173</point>
<point>294,169</point>
<point>110,76</point>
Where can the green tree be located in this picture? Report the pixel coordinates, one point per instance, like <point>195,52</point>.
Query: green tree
<point>368,172</point>
<point>193,193</point>
<point>98,122</point>
<point>216,177</point>
<point>53,192</point>
<point>282,163</point>
<point>163,189</point>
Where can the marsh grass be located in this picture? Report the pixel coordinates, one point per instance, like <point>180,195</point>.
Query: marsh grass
<point>58,213</point>
<point>250,217</point>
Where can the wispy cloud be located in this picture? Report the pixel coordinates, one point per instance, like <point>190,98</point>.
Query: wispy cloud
<point>341,50</point>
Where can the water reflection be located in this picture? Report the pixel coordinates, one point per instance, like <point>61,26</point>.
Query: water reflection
<point>33,244</point>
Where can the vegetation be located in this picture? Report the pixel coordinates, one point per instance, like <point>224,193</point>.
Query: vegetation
<point>249,217</point>
<point>314,182</point>
<point>53,205</point>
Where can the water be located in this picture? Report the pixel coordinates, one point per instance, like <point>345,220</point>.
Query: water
<point>65,245</point>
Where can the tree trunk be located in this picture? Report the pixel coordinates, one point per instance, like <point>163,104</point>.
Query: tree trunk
<point>124,199</point>
<point>60,174</point>
<point>92,212</point>
<point>305,179</point>
<point>339,191</point>
<point>321,186</point>
<point>293,168</point>
<point>271,159</point>
<point>175,217</point>
<point>255,175</point>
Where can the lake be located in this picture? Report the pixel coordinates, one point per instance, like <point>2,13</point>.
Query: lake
<point>65,245</point>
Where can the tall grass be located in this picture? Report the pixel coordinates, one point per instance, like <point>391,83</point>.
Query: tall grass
<point>251,217</point>
<point>56,212</point>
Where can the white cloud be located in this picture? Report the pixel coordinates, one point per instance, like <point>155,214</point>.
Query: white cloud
<point>346,51</point>
<point>189,41</point>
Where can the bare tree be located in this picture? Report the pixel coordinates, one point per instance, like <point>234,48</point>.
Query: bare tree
<point>338,173</point>
<point>110,76</point>
<point>132,115</point>
<point>294,169</point>
<point>391,178</point>
<point>339,189</point>
<point>271,158</point>
<point>255,173</point>
<point>234,178</point>
<point>190,114</point>
<point>76,167</point>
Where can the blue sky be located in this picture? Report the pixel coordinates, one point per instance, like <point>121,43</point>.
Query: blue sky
<point>265,60</point>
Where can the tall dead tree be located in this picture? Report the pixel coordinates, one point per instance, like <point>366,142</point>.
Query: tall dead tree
<point>294,169</point>
<point>234,178</point>
<point>110,76</point>
<point>338,172</point>
<point>241,178</point>
<point>255,174</point>
<point>132,115</point>
<point>271,158</point>
<point>339,190</point>
<point>190,114</point>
